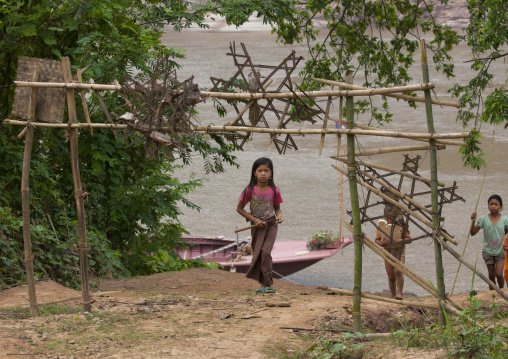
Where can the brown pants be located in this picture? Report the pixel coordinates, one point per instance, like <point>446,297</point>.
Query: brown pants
<point>262,243</point>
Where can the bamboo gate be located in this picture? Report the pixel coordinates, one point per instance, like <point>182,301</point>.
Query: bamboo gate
<point>186,94</point>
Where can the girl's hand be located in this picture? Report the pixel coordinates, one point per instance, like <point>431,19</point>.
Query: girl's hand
<point>473,216</point>
<point>259,223</point>
<point>280,219</point>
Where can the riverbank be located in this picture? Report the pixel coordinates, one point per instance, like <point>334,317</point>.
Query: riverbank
<point>200,313</point>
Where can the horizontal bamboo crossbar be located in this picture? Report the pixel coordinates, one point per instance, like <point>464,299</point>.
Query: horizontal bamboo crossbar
<point>403,97</point>
<point>392,149</point>
<point>387,300</point>
<point>398,205</point>
<point>254,129</point>
<point>441,142</point>
<point>242,95</point>
<point>321,131</point>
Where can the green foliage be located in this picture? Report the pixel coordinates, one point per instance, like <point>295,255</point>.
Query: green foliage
<point>474,334</point>
<point>380,39</point>
<point>472,153</point>
<point>163,261</point>
<point>335,348</point>
<point>53,258</point>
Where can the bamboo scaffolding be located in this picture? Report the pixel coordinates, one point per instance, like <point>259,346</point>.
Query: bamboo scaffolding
<point>393,170</point>
<point>78,191</point>
<point>395,192</point>
<point>242,95</point>
<point>403,97</point>
<point>25,197</point>
<point>442,142</point>
<point>355,206</point>
<point>438,251</point>
<point>396,149</point>
<point>387,300</point>
<point>403,268</point>
<point>401,206</point>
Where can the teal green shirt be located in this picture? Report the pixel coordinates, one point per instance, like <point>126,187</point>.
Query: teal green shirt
<point>493,235</point>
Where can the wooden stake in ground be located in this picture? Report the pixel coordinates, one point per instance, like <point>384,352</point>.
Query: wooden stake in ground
<point>438,254</point>
<point>25,197</point>
<point>79,195</point>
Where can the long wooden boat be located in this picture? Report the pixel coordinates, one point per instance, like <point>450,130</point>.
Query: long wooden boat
<point>289,256</point>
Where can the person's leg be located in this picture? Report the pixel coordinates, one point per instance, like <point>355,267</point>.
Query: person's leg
<point>391,278</point>
<point>266,254</point>
<point>491,268</point>
<point>399,280</point>
<point>499,274</point>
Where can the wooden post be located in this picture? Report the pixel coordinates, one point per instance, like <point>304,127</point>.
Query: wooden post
<point>78,192</point>
<point>355,206</point>
<point>438,253</point>
<point>25,197</point>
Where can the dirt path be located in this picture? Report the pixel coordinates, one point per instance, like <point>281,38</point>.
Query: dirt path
<point>198,313</point>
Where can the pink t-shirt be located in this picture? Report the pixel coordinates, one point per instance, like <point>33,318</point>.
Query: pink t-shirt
<point>261,204</point>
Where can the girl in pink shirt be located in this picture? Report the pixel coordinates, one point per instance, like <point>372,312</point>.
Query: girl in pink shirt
<point>265,214</point>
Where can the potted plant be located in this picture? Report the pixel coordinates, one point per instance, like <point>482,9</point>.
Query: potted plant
<point>322,240</point>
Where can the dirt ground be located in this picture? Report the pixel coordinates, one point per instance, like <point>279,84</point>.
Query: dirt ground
<point>198,313</point>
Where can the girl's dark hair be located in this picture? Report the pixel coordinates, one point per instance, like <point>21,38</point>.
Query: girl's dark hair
<point>259,162</point>
<point>495,196</point>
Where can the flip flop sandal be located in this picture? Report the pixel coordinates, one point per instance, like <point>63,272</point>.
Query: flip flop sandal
<point>269,290</point>
<point>261,291</point>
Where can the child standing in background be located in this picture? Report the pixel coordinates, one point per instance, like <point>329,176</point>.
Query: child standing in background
<point>265,214</point>
<point>495,226</point>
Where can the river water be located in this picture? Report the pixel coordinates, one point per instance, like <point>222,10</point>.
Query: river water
<point>308,183</point>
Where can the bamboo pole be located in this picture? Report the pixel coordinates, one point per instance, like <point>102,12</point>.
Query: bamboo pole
<point>442,142</point>
<point>355,206</point>
<point>403,268</point>
<point>279,131</point>
<point>397,149</point>
<point>438,252</point>
<point>78,191</point>
<point>340,150</point>
<point>25,196</point>
<point>395,192</point>
<point>279,125</point>
<point>325,122</point>
<point>241,95</point>
<point>393,170</point>
<point>387,300</point>
<point>403,97</point>
<point>65,125</point>
<point>402,207</point>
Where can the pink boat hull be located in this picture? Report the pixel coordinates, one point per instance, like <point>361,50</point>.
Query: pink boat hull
<point>288,256</point>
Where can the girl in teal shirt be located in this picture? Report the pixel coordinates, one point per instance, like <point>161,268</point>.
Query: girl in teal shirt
<point>495,226</point>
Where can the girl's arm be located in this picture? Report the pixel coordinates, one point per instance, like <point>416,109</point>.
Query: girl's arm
<point>505,243</point>
<point>278,213</point>
<point>474,227</point>
<point>240,209</point>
